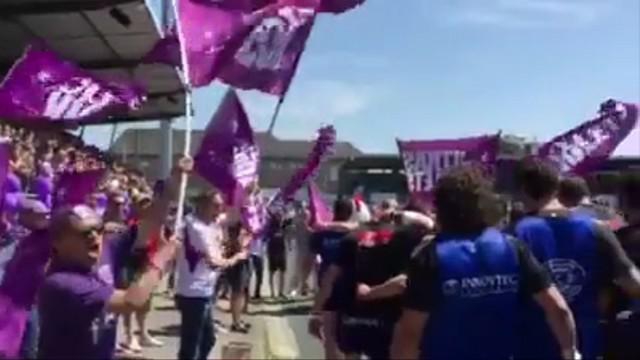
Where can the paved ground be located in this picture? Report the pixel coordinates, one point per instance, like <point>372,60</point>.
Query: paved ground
<point>164,324</point>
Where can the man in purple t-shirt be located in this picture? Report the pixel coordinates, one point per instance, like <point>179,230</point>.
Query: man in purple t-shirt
<point>78,302</point>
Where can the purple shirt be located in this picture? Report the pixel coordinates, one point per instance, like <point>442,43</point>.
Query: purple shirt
<point>74,323</point>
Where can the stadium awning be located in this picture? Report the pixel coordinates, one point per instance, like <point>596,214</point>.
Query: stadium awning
<point>107,37</point>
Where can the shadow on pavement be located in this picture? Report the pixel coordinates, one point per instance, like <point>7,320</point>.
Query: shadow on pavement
<point>165,308</point>
<point>300,309</point>
<point>166,331</point>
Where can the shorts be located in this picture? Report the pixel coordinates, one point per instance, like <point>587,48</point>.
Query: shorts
<point>238,276</point>
<point>368,335</point>
<point>277,261</point>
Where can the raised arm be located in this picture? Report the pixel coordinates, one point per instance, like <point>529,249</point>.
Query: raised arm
<point>153,219</point>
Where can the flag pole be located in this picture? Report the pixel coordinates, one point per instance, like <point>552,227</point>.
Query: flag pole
<point>276,112</point>
<point>114,128</point>
<point>188,102</point>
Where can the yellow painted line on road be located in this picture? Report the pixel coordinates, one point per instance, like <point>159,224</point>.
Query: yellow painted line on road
<point>280,341</point>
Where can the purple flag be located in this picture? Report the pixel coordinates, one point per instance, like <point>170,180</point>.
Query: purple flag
<point>323,147</point>
<point>23,276</point>
<point>319,210</point>
<point>42,88</point>
<point>329,6</point>
<point>73,187</point>
<point>258,50</point>
<point>254,213</point>
<point>582,149</point>
<point>426,161</point>
<point>338,6</point>
<point>165,51</point>
<point>228,157</point>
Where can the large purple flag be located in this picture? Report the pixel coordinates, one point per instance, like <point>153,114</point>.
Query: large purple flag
<point>257,50</point>
<point>426,161</point>
<point>43,89</point>
<point>324,146</point>
<point>582,149</point>
<point>328,6</point>
<point>319,210</point>
<point>73,187</point>
<point>228,157</point>
<point>165,51</point>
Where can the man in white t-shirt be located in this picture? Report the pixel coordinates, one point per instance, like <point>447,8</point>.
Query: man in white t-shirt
<point>199,264</point>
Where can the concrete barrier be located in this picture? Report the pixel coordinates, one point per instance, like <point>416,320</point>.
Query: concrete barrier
<point>280,342</point>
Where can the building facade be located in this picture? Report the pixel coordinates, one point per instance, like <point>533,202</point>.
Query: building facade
<point>280,158</point>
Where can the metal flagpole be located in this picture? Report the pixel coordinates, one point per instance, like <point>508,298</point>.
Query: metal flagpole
<point>276,112</point>
<point>114,128</point>
<point>188,102</point>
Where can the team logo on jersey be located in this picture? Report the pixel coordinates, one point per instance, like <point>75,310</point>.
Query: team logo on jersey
<point>478,286</point>
<point>568,275</point>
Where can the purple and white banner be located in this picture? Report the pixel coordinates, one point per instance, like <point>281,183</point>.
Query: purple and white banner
<point>255,50</point>
<point>585,147</point>
<point>323,148</point>
<point>228,157</point>
<point>43,89</point>
<point>426,161</point>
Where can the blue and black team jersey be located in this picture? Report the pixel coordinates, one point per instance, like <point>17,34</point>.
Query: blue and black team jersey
<point>472,287</point>
<point>583,258</point>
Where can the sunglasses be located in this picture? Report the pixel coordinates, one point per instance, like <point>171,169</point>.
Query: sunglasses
<point>92,231</point>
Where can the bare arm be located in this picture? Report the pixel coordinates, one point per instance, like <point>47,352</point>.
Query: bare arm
<point>408,335</point>
<point>412,217</point>
<point>326,286</point>
<point>390,288</point>
<point>135,297</point>
<point>630,283</point>
<point>159,210</point>
<point>336,226</point>
<point>560,320</point>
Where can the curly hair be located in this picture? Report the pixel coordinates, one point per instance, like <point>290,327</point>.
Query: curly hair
<point>537,178</point>
<point>463,199</point>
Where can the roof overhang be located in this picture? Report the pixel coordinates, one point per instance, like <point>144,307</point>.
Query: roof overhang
<point>107,37</point>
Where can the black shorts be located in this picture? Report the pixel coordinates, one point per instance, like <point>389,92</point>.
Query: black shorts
<point>277,261</point>
<point>238,276</point>
<point>366,335</point>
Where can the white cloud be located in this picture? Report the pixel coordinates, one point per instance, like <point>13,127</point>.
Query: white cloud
<point>523,13</point>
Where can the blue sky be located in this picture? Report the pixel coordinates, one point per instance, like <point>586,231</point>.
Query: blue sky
<point>425,69</point>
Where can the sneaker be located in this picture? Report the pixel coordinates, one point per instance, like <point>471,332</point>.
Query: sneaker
<point>218,327</point>
<point>131,345</point>
<point>293,294</point>
<point>149,341</point>
<point>238,328</point>
<point>245,324</point>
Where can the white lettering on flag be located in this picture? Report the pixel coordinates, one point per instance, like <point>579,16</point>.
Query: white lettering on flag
<point>424,168</point>
<point>265,47</point>
<point>76,99</point>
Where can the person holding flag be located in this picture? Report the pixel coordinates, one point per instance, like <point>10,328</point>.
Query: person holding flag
<point>80,279</point>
